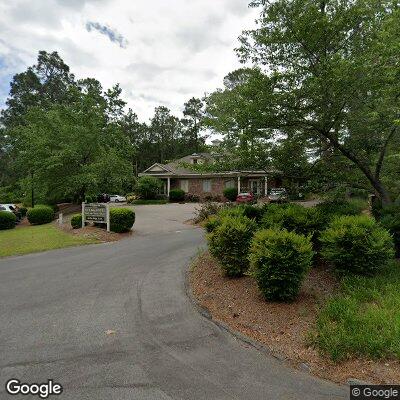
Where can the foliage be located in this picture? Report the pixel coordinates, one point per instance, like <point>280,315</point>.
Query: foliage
<point>176,195</point>
<point>293,217</point>
<point>391,221</point>
<point>191,198</point>
<point>212,222</point>
<point>23,211</point>
<point>319,86</point>
<point>213,197</point>
<point>30,239</point>
<point>230,194</point>
<point>76,221</point>
<point>121,219</point>
<point>279,262</point>
<point>331,208</point>
<point>40,214</point>
<point>148,187</point>
<point>7,220</point>
<point>230,242</point>
<point>144,202</point>
<point>356,245</point>
<point>206,210</point>
<point>363,320</point>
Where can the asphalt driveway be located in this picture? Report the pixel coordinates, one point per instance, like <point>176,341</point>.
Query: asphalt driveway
<point>113,321</point>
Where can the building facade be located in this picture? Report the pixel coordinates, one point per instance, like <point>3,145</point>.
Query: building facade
<point>180,174</point>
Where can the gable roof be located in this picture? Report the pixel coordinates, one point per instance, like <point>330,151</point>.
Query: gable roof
<point>157,168</point>
<point>176,168</point>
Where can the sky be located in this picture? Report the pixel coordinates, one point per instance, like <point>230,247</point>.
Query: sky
<point>162,52</point>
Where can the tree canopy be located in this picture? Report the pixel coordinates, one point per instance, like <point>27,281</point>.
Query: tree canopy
<point>325,74</point>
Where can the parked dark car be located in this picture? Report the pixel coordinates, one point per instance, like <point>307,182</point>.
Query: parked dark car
<point>245,197</point>
<point>103,198</point>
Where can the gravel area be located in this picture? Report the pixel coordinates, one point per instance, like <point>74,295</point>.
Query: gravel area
<point>283,328</point>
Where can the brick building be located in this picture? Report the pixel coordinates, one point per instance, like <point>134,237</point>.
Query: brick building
<point>179,174</point>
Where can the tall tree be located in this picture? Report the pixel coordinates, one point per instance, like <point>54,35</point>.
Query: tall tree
<point>194,112</point>
<point>333,66</point>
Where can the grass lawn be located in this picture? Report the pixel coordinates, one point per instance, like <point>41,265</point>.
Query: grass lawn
<point>30,239</point>
<point>364,319</point>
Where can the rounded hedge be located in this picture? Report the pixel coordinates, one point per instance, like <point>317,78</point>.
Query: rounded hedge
<point>279,262</point>
<point>356,245</point>
<point>176,195</point>
<point>293,217</point>
<point>7,220</point>
<point>121,219</point>
<point>76,221</point>
<point>40,214</point>
<point>230,194</point>
<point>230,242</point>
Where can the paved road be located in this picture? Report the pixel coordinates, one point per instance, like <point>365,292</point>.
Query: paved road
<point>112,321</point>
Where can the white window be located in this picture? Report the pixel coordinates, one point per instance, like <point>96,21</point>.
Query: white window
<point>207,185</point>
<point>230,184</point>
<point>184,185</point>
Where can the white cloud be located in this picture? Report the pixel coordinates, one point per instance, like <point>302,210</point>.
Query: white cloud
<point>161,52</point>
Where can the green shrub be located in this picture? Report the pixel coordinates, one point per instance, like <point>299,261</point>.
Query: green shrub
<point>40,214</point>
<point>293,217</point>
<point>331,208</point>
<point>176,195</point>
<point>230,194</point>
<point>76,221</point>
<point>356,245</point>
<point>391,221</point>
<point>121,219</point>
<point>230,243</point>
<point>279,262</point>
<point>206,210</point>
<point>23,211</point>
<point>147,187</point>
<point>252,212</point>
<point>7,220</point>
<point>212,223</point>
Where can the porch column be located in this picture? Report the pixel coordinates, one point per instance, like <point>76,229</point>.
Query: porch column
<point>239,184</point>
<point>266,186</point>
<point>168,185</point>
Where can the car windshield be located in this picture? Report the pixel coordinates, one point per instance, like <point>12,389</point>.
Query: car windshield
<point>244,194</point>
<point>277,191</point>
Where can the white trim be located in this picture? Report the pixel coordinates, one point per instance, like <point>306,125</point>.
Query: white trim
<point>156,165</point>
<point>168,186</point>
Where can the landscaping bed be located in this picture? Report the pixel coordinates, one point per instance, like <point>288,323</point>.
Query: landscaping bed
<point>319,286</point>
<point>285,328</point>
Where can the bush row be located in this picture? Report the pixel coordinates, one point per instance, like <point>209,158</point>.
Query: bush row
<point>276,243</point>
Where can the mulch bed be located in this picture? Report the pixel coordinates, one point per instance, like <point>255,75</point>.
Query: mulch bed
<point>93,232</point>
<point>283,328</point>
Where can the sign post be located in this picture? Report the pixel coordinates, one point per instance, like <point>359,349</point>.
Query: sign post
<point>96,212</point>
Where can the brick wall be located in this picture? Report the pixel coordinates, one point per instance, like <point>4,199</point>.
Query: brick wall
<point>217,185</point>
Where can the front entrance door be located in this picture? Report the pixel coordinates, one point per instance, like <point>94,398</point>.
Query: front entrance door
<point>255,186</point>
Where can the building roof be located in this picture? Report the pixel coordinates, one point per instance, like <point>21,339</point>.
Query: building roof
<point>177,168</point>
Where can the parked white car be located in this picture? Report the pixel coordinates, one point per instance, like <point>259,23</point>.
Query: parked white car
<point>116,198</point>
<point>278,195</point>
<point>12,208</point>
